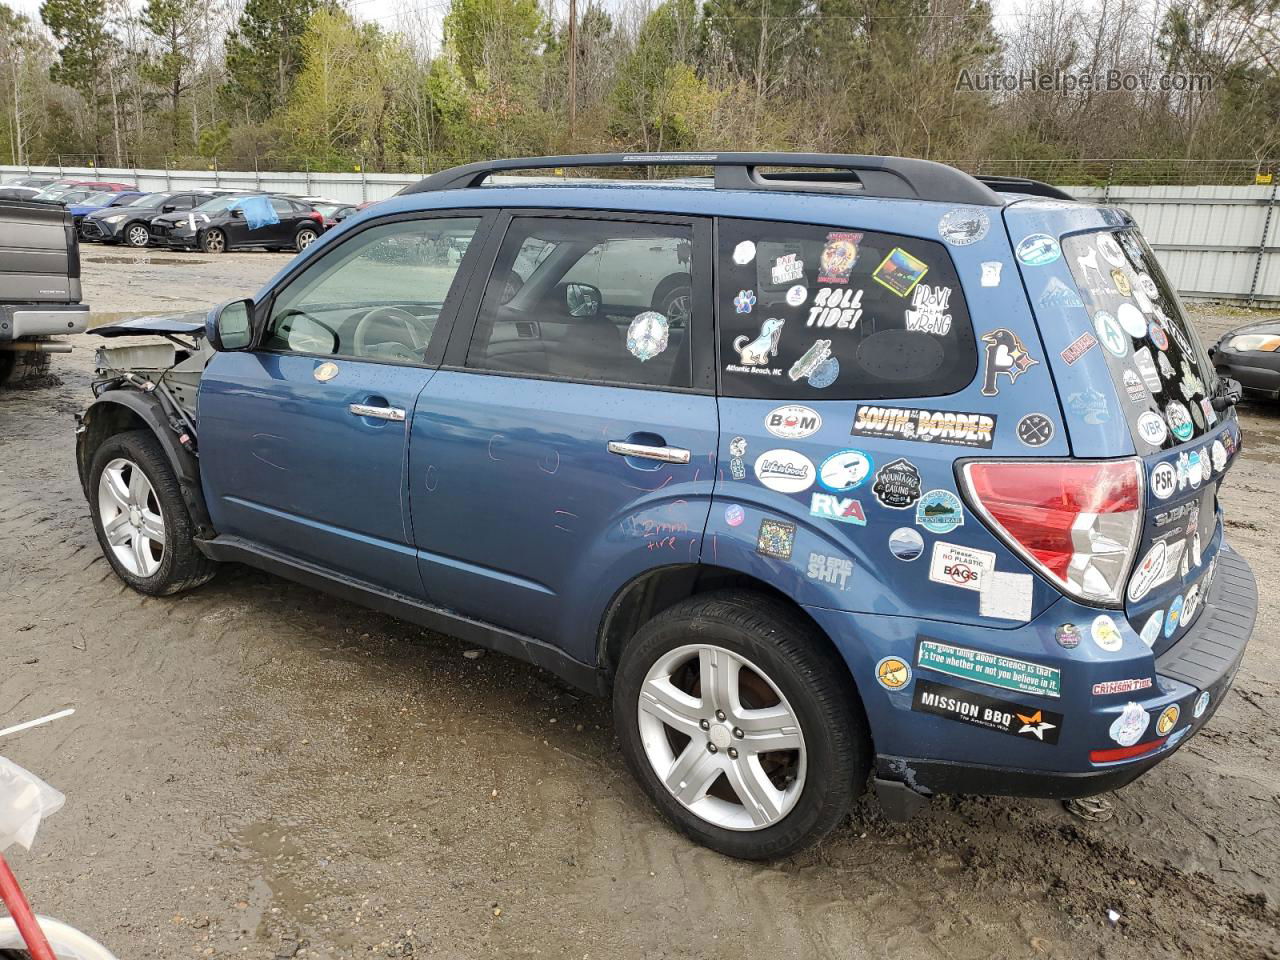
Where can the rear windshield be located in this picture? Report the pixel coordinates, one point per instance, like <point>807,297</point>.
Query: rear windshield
<point>1156,359</point>
<point>838,313</point>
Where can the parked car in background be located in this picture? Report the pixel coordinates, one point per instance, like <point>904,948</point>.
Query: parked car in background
<point>74,190</point>
<point>11,192</point>
<point>333,211</point>
<point>38,182</point>
<point>240,221</point>
<point>99,201</point>
<point>875,472</point>
<point>39,288</point>
<point>130,223</point>
<point>1251,355</point>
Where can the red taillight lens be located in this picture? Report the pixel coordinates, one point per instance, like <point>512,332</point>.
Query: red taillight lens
<point>1077,521</point>
<point>317,216</point>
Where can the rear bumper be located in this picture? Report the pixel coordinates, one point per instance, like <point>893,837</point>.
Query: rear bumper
<point>1205,659</point>
<point>42,320</point>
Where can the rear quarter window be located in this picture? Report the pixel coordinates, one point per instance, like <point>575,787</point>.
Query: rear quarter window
<point>1160,369</point>
<point>838,313</point>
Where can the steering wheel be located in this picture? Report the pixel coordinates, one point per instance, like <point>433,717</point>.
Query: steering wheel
<point>376,327</point>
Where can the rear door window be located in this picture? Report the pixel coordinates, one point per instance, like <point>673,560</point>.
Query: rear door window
<point>1152,351</point>
<point>838,313</point>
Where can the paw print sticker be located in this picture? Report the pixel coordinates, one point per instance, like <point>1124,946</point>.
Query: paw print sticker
<point>744,301</point>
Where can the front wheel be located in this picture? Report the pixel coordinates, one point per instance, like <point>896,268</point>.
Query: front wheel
<point>140,518</point>
<point>741,723</point>
<point>137,235</point>
<point>214,241</point>
<point>306,236</point>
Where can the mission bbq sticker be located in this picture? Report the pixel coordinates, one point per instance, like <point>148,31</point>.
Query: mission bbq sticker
<point>1002,716</point>
<point>948,427</point>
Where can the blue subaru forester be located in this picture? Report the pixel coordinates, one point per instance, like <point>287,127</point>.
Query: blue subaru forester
<point>827,467</point>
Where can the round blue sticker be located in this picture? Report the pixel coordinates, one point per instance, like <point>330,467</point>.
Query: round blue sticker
<point>1038,249</point>
<point>906,544</point>
<point>939,511</point>
<point>826,373</point>
<point>844,470</point>
<point>1175,614</point>
<point>734,515</point>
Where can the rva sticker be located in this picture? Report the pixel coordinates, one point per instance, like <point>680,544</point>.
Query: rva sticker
<point>957,566</point>
<point>1003,716</point>
<point>992,669</point>
<point>828,506</point>
<point>948,427</point>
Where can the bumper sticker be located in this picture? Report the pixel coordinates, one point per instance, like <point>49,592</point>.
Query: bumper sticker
<point>992,669</point>
<point>965,706</point>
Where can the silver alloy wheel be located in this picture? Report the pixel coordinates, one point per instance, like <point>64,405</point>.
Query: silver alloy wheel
<point>214,241</point>
<point>693,740</point>
<point>129,512</point>
<point>305,237</point>
<point>138,235</point>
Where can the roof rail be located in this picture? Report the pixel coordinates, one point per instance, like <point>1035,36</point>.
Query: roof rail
<point>1036,188</point>
<point>901,177</point>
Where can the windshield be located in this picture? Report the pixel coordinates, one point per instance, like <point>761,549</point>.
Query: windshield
<point>220,203</point>
<point>101,199</point>
<point>146,200</point>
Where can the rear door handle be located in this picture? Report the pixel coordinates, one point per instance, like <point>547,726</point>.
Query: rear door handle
<point>378,413</point>
<point>665,454</point>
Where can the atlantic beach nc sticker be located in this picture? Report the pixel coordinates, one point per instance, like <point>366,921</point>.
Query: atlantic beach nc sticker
<point>950,427</point>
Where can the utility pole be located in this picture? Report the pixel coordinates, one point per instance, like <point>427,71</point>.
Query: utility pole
<point>573,73</point>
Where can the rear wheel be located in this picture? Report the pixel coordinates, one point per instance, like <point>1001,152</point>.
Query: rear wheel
<point>137,235</point>
<point>306,236</point>
<point>140,518</point>
<point>741,724</point>
<point>213,241</point>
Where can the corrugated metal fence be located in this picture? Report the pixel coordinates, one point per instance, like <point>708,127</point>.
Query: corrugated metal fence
<point>1215,242</point>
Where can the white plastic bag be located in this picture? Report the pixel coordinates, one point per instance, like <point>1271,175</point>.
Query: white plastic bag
<point>25,799</point>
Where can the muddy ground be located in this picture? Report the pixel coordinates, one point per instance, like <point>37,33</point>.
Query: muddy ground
<point>257,770</point>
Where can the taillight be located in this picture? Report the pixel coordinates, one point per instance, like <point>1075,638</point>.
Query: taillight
<point>317,216</point>
<point>1076,521</point>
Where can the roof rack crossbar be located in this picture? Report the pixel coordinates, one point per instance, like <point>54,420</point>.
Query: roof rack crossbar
<point>1035,188</point>
<point>901,177</point>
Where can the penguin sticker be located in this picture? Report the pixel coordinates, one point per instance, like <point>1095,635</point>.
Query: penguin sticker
<point>1006,355</point>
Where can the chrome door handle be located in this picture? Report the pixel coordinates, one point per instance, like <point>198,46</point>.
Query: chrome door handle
<point>665,454</point>
<point>378,413</point>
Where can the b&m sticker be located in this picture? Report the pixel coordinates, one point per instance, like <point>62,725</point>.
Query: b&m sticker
<point>992,669</point>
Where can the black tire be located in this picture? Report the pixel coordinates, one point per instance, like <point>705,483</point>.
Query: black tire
<point>136,234</point>
<point>305,238</point>
<point>810,675</point>
<point>182,566</point>
<point>213,240</point>
<point>20,367</point>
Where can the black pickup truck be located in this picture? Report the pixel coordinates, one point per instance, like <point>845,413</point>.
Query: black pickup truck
<point>39,286</point>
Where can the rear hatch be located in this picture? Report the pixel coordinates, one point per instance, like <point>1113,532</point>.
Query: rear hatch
<point>1134,378</point>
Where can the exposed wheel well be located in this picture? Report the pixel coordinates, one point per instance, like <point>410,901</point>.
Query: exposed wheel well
<point>645,597</point>
<point>100,422</point>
